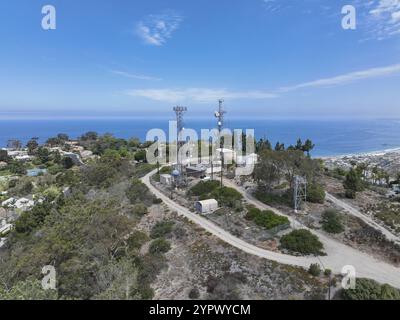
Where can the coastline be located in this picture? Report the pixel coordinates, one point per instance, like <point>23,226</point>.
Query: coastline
<point>387,160</point>
<point>361,154</point>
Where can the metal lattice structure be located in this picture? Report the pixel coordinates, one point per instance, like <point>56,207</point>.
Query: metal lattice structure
<point>220,124</point>
<point>179,112</point>
<point>299,193</point>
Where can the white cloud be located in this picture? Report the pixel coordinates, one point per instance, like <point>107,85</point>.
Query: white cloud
<point>383,19</point>
<point>157,29</point>
<point>346,78</point>
<point>209,95</point>
<point>197,94</point>
<point>134,76</point>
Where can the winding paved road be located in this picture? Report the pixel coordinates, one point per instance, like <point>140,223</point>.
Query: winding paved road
<point>339,255</point>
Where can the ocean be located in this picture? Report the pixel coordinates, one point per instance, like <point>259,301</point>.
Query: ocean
<point>332,137</point>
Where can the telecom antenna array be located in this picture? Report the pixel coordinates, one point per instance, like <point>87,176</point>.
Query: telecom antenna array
<point>299,192</point>
<point>220,118</point>
<point>179,112</point>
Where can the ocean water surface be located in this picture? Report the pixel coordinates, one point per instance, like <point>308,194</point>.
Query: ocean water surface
<point>332,137</point>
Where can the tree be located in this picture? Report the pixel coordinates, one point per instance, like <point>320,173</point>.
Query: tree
<point>32,145</point>
<point>4,156</point>
<point>352,184</point>
<point>299,145</point>
<point>14,144</point>
<point>267,172</point>
<point>43,154</point>
<point>63,137</point>
<point>89,136</point>
<point>263,144</point>
<point>331,221</point>
<point>67,162</point>
<point>140,155</point>
<point>279,146</point>
<point>308,146</point>
<point>315,193</point>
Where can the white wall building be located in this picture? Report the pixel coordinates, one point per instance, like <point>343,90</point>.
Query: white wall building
<point>166,179</point>
<point>206,206</point>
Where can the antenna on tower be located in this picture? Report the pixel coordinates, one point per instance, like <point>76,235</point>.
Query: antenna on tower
<point>299,192</point>
<point>220,118</point>
<point>179,112</point>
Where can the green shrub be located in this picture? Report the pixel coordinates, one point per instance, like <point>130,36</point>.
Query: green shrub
<point>367,289</point>
<point>350,194</point>
<point>141,155</point>
<point>194,294</point>
<point>331,221</point>
<point>267,219</point>
<point>316,194</point>
<point>327,272</point>
<point>227,197</point>
<point>99,175</point>
<point>140,209</point>
<point>139,193</point>
<point>314,270</point>
<point>159,246</point>
<point>204,188</point>
<point>302,241</point>
<point>161,229</point>
<point>165,170</point>
<point>136,240</point>
<point>272,198</point>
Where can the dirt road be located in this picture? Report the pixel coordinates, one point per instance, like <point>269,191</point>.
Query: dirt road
<point>339,255</point>
<point>355,212</point>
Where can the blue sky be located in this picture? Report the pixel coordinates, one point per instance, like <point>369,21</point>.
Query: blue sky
<point>266,58</point>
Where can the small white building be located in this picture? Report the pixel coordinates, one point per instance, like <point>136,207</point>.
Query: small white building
<point>249,159</point>
<point>3,242</point>
<point>8,203</point>
<point>24,204</point>
<point>229,155</point>
<point>166,179</point>
<point>86,154</point>
<point>206,206</point>
<point>5,227</point>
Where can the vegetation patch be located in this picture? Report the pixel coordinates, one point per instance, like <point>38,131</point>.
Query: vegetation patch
<point>331,221</point>
<point>203,188</point>
<point>303,242</point>
<point>367,289</point>
<point>161,229</point>
<point>266,219</point>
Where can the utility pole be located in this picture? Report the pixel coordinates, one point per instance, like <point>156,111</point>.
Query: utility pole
<point>330,278</point>
<point>210,154</point>
<point>220,116</point>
